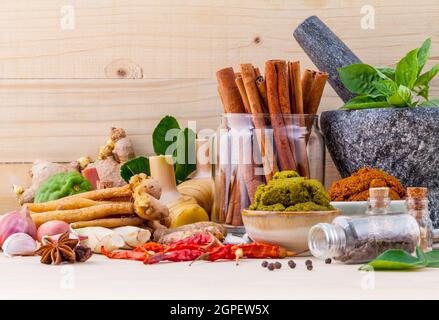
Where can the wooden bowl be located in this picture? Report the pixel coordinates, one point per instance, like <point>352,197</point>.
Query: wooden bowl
<point>285,228</point>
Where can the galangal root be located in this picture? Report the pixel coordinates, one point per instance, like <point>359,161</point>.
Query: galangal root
<point>106,208</point>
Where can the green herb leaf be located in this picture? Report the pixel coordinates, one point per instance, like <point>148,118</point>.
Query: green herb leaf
<point>407,69</point>
<point>359,79</point>
<point>386,87</point>
<point>401,98</point>
<point>433,258</point>
<point>397,260</point>
<point>430,103</point>
<point>423,53</point>
<point>387,72</point>
<point>425,78</point>
<point>133,167</point>
<point>365,102</point>
<point>165,134</point>
<point>185,155</point>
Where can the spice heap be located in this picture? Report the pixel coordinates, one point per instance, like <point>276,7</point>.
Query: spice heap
<point>356,187</point>
<point>280,94</point>
<point>287,191</point>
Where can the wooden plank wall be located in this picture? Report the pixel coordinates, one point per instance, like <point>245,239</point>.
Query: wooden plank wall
<point>71,69</point>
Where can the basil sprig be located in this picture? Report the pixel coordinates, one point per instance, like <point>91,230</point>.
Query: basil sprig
<point>167,139</point>
<point>379,87</point>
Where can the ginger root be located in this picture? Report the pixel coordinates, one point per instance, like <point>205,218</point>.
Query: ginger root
<point>112,155</point>
<point>146,205</point>
<point>167,236</point>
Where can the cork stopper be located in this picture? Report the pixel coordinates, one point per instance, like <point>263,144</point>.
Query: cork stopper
<point>417,192</point>
<point>379,197</point>
<point>379,193</point>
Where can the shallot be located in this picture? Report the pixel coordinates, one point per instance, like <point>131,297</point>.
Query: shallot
<point>17,222</point>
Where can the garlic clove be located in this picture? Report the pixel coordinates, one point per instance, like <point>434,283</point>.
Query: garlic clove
<point>110,243</point>
<point>133,236</point>
<point>19,244</point>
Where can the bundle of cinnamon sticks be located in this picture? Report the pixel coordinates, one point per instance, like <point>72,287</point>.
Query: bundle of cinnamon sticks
<point>271,101</point>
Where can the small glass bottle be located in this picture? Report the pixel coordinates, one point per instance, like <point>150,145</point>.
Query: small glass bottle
<point>359,239</point>
<point>417,206</point>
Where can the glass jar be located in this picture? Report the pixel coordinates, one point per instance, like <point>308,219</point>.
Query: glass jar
<point>250,149</point>
<point>417,206</point>
<point>363,238</point>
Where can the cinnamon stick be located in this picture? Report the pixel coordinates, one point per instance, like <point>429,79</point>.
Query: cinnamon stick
<point>249,78</point>
<point>229,91</point>
<point>283,85</point>
<point>262,88</point>
<point>297,108</point>
<point>307,81</point>
<point>238,205</point>
<point>243,93</point>
<point>286,155</point>
<point>316,93</point>
<point>295,87</point>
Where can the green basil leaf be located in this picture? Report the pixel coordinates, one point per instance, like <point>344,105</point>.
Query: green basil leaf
<point>386,87</point>
<point>366,105</point>
<point>401,98</point>
<point>165,134</point>
<point>133,167</point>
<point>430,103</point>
<point>359,78</point>
<point>432,258</point>
<point>423,91</point>
<point>387,72</point>
<point>423,53</point>
<point>425,78</point>
<point>397,260</point>
<point>406,71</point>
<point>185,155</point>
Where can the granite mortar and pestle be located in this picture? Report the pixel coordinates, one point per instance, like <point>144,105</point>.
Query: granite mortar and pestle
<point>401,141</point>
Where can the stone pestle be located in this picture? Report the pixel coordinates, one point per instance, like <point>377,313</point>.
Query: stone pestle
<point>326,51</point>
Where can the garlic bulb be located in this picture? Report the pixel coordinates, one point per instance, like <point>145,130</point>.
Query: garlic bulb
<point>133,236</point>
<point>19,244</point>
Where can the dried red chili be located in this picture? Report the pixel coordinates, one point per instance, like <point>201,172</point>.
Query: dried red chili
<point>150,246</point>
<point>198,238</point>
<point>174,256</point>
<point>125,254</point>
<point>260,250</point>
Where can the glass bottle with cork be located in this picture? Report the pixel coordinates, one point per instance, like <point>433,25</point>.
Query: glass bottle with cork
<point>417,206</point>
<point>359,239</point>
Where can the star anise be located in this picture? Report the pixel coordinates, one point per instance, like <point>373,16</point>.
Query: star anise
<point>57,252</point>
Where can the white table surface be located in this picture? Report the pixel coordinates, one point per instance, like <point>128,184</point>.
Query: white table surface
<point>102,278</point>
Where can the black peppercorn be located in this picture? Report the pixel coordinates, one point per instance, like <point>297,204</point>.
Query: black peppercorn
<point>277,265</point>
<point>308,262</point>
<point>271,267</point>
<point>309,267</point>
<point>291,264</point>
<point>328,261</point>
<point>264,264</point>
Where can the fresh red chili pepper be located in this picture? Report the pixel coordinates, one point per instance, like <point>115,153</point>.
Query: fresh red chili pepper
<point>174,256</point>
